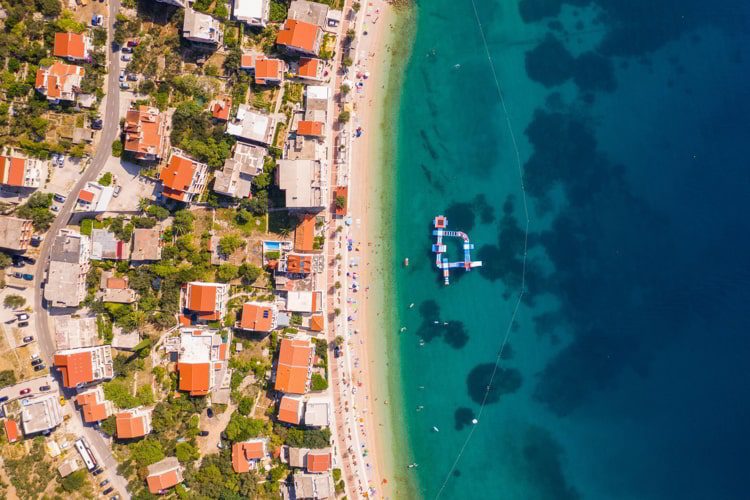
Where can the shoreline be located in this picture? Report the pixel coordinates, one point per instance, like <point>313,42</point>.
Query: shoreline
<point>376,111</point>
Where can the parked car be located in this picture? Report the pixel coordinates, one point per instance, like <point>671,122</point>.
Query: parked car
<point>28,338</point>
<point>28,277</point>
<point>104,483</point>
<point>36,361</point>
<point>98,471</point>
<point>203,433</point>
<point>117,190</point>
<point>126,57</point>
<point>108,491</point>
<point>18,275</point>
<point>44,388</point>
<point>132,77</point>
<point>134,42</point>
<point>35,355</point>
<point>127,50</point>
<point>36,240</point>
<point>4,399</point>
<point>55,208</point>
<point>39,368</point>
<point>336,352</point>
<point>59,197</point>
<point>97,124</point>
<point>210,412</point>
<point>124,86</point>
<point>17,261</point>
<point>99,19</point>
<point>30,260</point>
<point>23,324</point>
<point>22,316</point>
<point>25,391</point>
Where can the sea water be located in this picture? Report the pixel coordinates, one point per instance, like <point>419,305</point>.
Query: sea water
<point>602,348</point>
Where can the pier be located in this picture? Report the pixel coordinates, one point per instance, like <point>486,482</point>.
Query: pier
<point>439,248</point>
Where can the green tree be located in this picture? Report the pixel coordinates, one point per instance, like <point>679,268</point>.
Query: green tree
<point>241,428</point>
<point>7,377</point>
<point>146,452</point>
<point>109,425</point>
<point>117,148</point>
<point>226,273</point>
<point>5,260</point>
<point>245,407</point>
<point>318,383</point>
<point>106,179</point>
<point>228,244</point>
<point>49,7</point>
<point>186,452</point>
<point>249,273</point>
<point>344,116</point>
<point>183,222</point>
<point>14,301</point>
<point>160,213</point>
<point>74,481</point>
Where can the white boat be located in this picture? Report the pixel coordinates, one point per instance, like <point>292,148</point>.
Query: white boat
<point>435,429</point>
<point>406,262</point>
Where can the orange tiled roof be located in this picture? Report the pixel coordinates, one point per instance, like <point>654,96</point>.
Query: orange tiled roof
<point>268,69</point>
<point>86,196</point>
<point>130,426</point>
<point>301,264</point>
<point>298,34</point>
<point>318,462</point>
<point>304,234</point>
<point>202,299</point>
<point>75,368</point>
<point>69,45</point>
<point>56,78</point>
<point>223,351</point>
<point>11,430</point>
<point>142,131</point>
<point>247,61</point>
<point>316,323</point>
<point>243,452</point>
<point>177,176</point>
<point>160,482</point>
<point>310,128</point>
<point>221,107</point>
<point>257,318</point>
<point>12,170</point>
<point>289,410</point>
<point>308,67</point>
<point>295,357</point>
<point>117,283</point>
<point>195,378</point>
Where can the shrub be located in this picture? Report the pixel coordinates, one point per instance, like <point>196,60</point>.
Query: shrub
<point>14,301</point>
<point>106,179</point>
<point>74,481</point>
<point>318,383</point>
<point>117,148</point>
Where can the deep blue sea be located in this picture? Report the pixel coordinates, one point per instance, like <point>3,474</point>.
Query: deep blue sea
<point>625,138</point>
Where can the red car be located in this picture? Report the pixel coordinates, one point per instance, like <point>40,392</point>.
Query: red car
<point>25,391</point>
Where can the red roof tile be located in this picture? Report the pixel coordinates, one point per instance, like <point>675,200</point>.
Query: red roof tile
<point>130,426</point>
<point>11,430</point>
<point>310,128</point>
<point>195,378</point>
<point>256,317</point>
<point>298,35</point>
<point>69,45</point>
<point>289,410</point>
<point>308,67</point>
<point>318,461</point>
<point>76,368</point>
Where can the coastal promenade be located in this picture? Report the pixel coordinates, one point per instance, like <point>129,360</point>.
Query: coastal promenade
<point>349,266</point>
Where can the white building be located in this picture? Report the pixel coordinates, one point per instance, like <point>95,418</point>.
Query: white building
<point>252,12</point>
<point>252,126</point>
<point>201,28</point>
<point>304,184</point>
<point>68,267</point>
<point>41,414</point>
<point>235,179</point>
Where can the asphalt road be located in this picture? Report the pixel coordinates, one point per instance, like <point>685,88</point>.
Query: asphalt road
<point>110,131</point>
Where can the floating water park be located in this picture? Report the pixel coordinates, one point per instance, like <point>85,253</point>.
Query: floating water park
<point>439,248</point>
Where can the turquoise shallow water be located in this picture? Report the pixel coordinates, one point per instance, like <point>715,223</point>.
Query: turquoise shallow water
<point>623,375</point>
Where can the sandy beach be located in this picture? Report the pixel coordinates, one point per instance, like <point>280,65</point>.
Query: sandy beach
<point>362,375</point>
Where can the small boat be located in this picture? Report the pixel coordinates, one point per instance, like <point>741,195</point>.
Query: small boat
<point>406,262</point>
<point>435,429</point>
<point>474,421</point>
<point>403,329</point>
<point>436,322</point>
<point>415,464</point>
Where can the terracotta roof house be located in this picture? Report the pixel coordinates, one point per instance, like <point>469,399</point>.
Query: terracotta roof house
<point>246,454</point>
<point>145,133</point>
<point>304,234</point>
<point>68,266</point>
<point>300,37</point>
<point>72,46</point>
<point>298,263</point>
<point>85,365</point>
<point>220,107</point>
<point>290,409</point>
<point>310,68</point>
<point>206,301</point>
<point>183,178</point>
<point>93,405</point>
<point>252,12</point>
<point>258,317</point>
<point>311,128</point>
<point>15,233</point>
<point>316,323</point>
<point>318,461</point>
<point>133,423</point>
<point>22,172</point>
<point>11,430</point>
<point>236,178</point>
<point>146,245</point>
<point>265,70</point>
<point>201,361</point>
<point>94,197</point>
<point>59,82</point>
<point>116,289</point>
<point>164,475</point>
<point>294,366</point>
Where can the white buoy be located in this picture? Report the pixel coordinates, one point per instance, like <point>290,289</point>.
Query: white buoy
<point>474,421</point>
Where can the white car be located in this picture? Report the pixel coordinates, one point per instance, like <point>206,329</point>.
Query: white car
<point>126,57</point>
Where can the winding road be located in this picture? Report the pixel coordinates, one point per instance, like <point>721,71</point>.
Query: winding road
<point>110,131</point>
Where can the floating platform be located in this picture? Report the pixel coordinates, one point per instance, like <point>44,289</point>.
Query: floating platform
<point>439,249</point>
